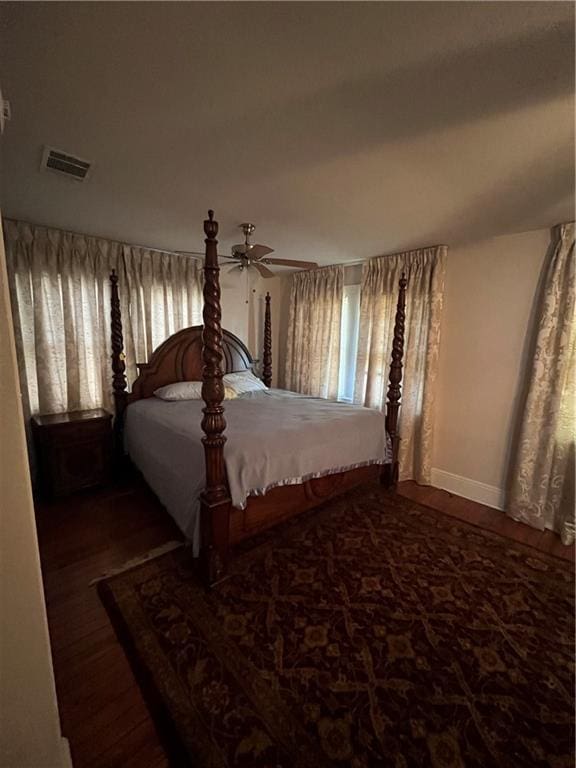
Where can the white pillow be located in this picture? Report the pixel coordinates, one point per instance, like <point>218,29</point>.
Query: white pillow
<point>243,381</point>
<point>188,390</point>
<point>181,390</point>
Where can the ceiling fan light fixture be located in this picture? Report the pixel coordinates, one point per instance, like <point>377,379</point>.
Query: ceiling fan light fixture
<point>247,228</point>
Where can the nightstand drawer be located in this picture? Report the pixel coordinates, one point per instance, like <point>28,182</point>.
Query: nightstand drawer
<point>76,432</point>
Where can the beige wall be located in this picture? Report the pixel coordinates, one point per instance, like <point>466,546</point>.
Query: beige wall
<point>29,725</point>
<point>243,302</point>
<point>235,294</point>
<point>490,295</point>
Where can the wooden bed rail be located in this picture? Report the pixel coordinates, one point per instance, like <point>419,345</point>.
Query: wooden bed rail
<point>391,471</point>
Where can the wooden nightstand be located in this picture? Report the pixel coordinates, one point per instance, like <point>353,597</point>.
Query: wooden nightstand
<point>74,450</point>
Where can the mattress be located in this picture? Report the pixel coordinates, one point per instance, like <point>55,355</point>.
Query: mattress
<point>274,438</point>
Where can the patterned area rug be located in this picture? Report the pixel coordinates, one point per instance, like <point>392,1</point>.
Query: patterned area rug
<point>374,632</point>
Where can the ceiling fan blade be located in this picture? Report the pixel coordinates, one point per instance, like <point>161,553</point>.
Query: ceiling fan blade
<point>292,263</point>
<point>258,251</point>
<point>264,271</point>
<point>255,251</point>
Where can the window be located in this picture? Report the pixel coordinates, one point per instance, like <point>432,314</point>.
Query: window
<point>349,342</point>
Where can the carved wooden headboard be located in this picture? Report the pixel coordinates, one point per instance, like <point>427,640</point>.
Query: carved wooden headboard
<point>179,358</point>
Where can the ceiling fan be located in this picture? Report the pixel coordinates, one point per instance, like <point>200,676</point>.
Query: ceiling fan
<point>253,255</point>
<point>249,255</point>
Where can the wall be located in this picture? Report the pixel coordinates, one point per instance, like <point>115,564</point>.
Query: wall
<point>29,724</point>
<point>491,287</point>
<point>235,296</point>
<point>243,304</point>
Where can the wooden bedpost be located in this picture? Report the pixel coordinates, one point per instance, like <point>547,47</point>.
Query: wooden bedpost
<point>390,476</point>
<point>267,356</point>
<point>215,501</point>
<point>118,364</point>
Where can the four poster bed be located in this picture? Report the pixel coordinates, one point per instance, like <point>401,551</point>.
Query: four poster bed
<point>286,453</point>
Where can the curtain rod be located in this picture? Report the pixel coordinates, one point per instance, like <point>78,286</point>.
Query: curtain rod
<point>99,237</point>
<point>387,255</point>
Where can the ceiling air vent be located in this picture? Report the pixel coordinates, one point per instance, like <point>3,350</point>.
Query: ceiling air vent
<point>59,162</point>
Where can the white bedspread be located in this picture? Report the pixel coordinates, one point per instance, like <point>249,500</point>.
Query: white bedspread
<point>273,438</point>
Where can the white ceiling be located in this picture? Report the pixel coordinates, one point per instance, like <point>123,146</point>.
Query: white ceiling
<point>343,130</point>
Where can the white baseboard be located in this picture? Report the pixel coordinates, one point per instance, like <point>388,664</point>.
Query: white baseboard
<point>469,489</point>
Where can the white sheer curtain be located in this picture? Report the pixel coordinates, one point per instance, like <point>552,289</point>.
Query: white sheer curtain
<point>313,344</point>
<point>542,490</point>
<point>165,292</point>
<point>424,269</point>
<point>60,290</point>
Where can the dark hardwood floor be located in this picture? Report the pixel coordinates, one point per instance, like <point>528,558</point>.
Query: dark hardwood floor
<point>82,537</point>
<point>486,517</point>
